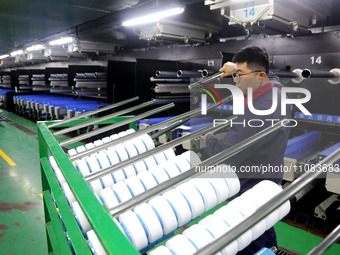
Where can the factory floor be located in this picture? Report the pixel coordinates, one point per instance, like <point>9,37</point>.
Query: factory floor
<point>22,229</point>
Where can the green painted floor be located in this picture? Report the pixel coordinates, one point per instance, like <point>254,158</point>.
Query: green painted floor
<point>22,229</point>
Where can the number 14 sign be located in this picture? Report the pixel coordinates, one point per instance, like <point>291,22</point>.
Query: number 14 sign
<point>249,13</point>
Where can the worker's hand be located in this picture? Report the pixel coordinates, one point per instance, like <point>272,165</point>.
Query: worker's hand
<point>205,137</point>
<point>227,69</point>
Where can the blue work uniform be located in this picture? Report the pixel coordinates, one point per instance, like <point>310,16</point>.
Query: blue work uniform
<point>269,151</point>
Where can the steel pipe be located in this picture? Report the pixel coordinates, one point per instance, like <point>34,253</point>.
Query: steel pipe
<point>97,120</point>
<point>270,206</point>
<point>204,73</point>
<point>192,114</point>
<point>94,112</point>
<point>205,80</point>
<point>306,73</point>
<point>188,74</point>
<point>166,74</point>
<point>287,74</point>
<point>96,175</point>
<point>214,160</point>
<point>172,100</point>
<point>170,127</point>
<point>326,243</point>
<point>115,125</point>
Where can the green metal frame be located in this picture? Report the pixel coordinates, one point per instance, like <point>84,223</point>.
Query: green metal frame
<point>111,237</point>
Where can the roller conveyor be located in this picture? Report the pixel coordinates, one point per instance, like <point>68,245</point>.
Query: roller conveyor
<point>139,190</point>
<point>54,107</point>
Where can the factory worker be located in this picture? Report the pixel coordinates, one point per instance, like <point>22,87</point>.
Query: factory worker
<point>250,68</point>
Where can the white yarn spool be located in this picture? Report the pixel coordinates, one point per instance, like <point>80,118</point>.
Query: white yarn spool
<point>199,236</point>
<point>221,188</point>
<point>123,133</point>
<point>180,245</point>
<point>118,176</point>
<point>92,163</point>
<point>121,152</point>
<point>192,157</point>
<point>98,143</point>
<point>130,131</point>
<point>139,167</point>
<point>179,206</point>
<point>53,162</point>
<point>133,229</point>
<point>89,146</point>
<point>159,158</point>
<point>129,171</point>
<point>102,159</point>
<point>171,168</point>
<point>80,148</point>
<point>130,149</point>
<point>96,186</point>
<point>250,207</point>
<point>233,217</point>
<point>121,191</point>
<point>218,228</point>
<point>80,217</point>
<point>231,179</point>
<point>134,185</point>
<point>114,137</point>
<point>108,198</point>
<point>113,157</point>
<point>147,180</point>
<point>95,244</point>
<point>72,152</point>
<point>266,190</point>
<point>182,163</point>
<point>82,167</point>
<point>169,154</point>
<point>161,250</point>
<point>193,197</point>
<point>106,139</point>
<point>138,143</point>
<point>150,222</point>
<point>68,193</point>
<point>59,175</point>
<point>159,173</point>
<point>207,191</point>
<point>147,140</point>
<point>164,213</point>
<point>149,162</point>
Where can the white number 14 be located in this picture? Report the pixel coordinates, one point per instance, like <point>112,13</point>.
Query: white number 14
<point>317,60</point>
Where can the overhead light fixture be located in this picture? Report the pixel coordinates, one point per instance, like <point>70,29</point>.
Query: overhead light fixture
<point>35,47</point>
<point>17,52</point>
<point>4,56</point>
<point>155,17</point>
<point>61,41</point>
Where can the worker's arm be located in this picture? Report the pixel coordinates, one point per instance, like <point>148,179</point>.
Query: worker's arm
<point>227,69</point>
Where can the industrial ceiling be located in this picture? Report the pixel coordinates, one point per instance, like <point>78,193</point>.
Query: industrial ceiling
<point>25,22</point>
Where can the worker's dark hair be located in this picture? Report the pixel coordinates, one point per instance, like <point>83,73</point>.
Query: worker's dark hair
<point>256,58</point>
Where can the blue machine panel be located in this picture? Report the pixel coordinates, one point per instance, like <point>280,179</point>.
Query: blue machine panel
<point>329,151</point>
<point>302,145</point>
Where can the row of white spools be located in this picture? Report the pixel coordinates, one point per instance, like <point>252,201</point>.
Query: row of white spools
<point>160,216</point>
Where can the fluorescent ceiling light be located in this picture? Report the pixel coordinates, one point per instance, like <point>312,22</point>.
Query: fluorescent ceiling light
<point>17,52</point>
<point>4,56</point>
<point>61,41</point>
<point>35,47</point>
<point>153,17</point>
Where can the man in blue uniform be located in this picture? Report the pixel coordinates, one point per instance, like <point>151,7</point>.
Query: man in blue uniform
<point>251,70</point>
